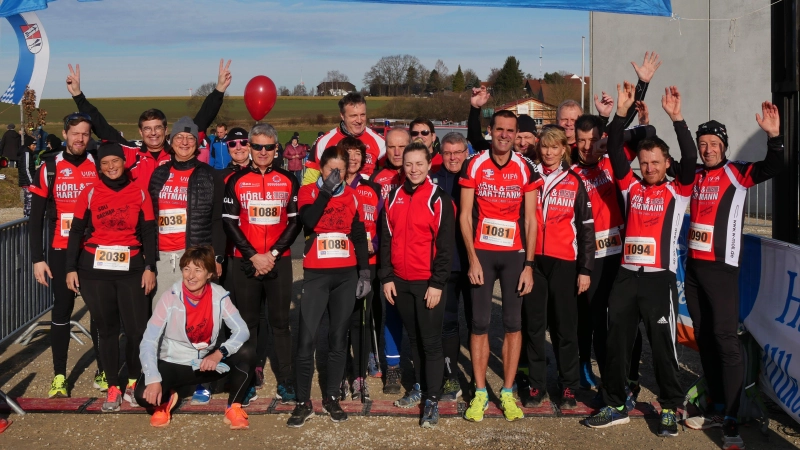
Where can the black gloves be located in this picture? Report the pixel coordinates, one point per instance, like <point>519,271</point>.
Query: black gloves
<point>364,285</point>
<point>333,181</point>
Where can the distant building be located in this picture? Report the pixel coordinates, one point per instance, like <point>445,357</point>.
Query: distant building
<point>555,93</point>
<point>539,111</point>
<point>335,88</point>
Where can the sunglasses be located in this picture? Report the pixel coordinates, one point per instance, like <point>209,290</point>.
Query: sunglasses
<point>267,147</point>
<point>76,116</point>
<point>238,143</point>
<point>423,132</point>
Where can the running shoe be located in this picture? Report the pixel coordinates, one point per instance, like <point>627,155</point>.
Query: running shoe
<point>4,423</point>
<point>259,372</point>
<point>477,406</point>
<point>163,413</point>
<point>568,399</point>
<point>588,381</point>
<point>113,400</point>
<point>632,394</point>
<point>201,395</point>
<point>100,381</point>
<point>302,412</point>
<point>430,415</point>
<point>359,387</point>
<point>608,417</point>
<point>344,390</point>
<point>708,420</point>
<point>373,368</point>
<point>668,425</point>
<point>392,385</point>
<point>331,406</point>
<point>730,436</point>
<point>251,395</point>
<point>411,399</point>
<point>534,398</point>
<point>236,417</point>
<point>508,404</point>
<point>285,393</point>
<point>129,396</point>
<point>451,390</point>
<point>521,383</point>
<point>58,389</point>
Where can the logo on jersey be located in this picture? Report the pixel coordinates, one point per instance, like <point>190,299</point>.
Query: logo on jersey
<point>509,176</point>
<point>66,172</point>
<point>88,173</point>
<point>171,176</point>
<point>488,173</point>
<point>705,193</point>
<point>276,179</point>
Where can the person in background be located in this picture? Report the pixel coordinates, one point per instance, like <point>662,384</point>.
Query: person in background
<point>295,153</point>
<point>219,155</point>
<point>422,129</point>
<point>9,145</point>
<point>26,167</point>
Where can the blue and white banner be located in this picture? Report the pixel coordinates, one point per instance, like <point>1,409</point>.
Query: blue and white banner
<point>641,7</point>
<point>14,7</point>
<point>34,58</point>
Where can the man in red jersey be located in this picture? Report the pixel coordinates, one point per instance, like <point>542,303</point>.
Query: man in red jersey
<point>422,129</point>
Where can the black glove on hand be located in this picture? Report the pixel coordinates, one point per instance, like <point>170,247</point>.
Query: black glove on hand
<point>364,285</point>
<point>332,182</point>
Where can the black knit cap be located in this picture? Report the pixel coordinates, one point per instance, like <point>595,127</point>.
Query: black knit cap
<point>715,128</point>
<point>526,124</point>
<point>107,148</point>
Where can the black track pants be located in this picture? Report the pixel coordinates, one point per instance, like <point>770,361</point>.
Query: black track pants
<point>457,286</point>
<point>653,298</point>
<point>712,296</point>
<point>552,303</point>
<point>424,328</point>
<point>249,294</point>
<point>336,293</point>
<point>115,303</point>
<point>505,266</point>
<point>174,376</point>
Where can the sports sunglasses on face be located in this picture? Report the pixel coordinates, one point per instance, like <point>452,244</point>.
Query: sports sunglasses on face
<point>267,147</point>
<point>423,132</point>
<point>237,143</point>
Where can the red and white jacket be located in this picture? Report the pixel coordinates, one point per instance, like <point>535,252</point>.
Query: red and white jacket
<point>418,235</point>
<point>370,205</point>
<point>376,148</point>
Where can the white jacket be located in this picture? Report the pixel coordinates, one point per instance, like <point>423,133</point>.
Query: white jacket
<point>165,337</point>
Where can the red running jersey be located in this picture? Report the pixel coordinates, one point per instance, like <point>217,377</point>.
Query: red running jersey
<point>329,246</point>
<point>369,207</point>
<point>388,179</point>
<point>171,219</point>
<point>607,206</point>
<point>376,148</point>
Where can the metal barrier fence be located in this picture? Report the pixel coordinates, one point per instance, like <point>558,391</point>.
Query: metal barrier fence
<point>22,299</point>
<point>758,205</point>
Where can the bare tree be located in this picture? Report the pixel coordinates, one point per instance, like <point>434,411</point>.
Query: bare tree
<point>388,75</point>
<point>200,95</point>
<point>283,91</point>
<point>299,91</point>
<point>445,80</point>
<point>334,76</point>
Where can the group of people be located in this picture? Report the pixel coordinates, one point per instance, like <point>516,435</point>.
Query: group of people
<point>397,232</point>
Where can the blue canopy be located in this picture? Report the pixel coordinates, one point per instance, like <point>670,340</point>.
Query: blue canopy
<point>642,7</point>
<point>12,7</point>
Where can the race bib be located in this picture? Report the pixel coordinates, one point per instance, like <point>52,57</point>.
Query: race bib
<point>112,258</point>
<point>65,223</point>
<point>264,212</point>
<point>607,243</point>
<point>498,232</point>
<point>172,221</point>
<point>640,250</point>
<point>701,237</point>
<point>333,245</point>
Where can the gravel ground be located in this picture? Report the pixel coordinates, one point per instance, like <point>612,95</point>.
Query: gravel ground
<point>27,370</point>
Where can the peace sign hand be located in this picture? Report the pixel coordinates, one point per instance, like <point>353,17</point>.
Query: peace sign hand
<point>74,80</point>
<point>224,77</point>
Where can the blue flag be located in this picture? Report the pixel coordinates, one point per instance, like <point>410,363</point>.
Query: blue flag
<point>13,7</point>
<point>642,7</point>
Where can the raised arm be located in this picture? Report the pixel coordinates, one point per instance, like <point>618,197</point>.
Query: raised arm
<point>213,102</point>
<point>479,98</point>
<point>616,153</point>
<point>671,102</point>
<point>773,162</point>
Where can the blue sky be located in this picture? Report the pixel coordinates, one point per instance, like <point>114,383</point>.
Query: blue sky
<point>163,47</point>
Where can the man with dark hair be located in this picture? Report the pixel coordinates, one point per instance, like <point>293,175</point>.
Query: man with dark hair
<point>645,287</point>
<point>353,112</point>
<point>421,129</point>
<point>218,157</point>
<point>153,150</point>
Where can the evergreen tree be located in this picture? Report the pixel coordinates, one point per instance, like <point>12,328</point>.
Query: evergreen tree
<point>510,79</point>
<point>458,81</point>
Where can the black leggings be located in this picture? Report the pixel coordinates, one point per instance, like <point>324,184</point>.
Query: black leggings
<point>174,376</point>
<point>552,303</point>
<point>115,302</point>
<point>248,295</point>
<point>61,315</point>
<point>457,285</point>
<point>506,266</point>
<point>712,296</point>
<point>356,327</point>
<point>336,293</point>
<point>424,328</point>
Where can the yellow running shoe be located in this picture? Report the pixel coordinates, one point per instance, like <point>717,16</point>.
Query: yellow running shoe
<point>100,381</point>
<point>477,406</point>
<point>59,387</point>
<point>509,406</point>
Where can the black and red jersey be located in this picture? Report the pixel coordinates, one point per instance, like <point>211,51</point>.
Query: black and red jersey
<point>376,148</point>
<point>69,181</point>
<point>717,205</point>
<point>654,212</point>
<point>607,206</point>
<point>141,163</point>
<point>172,201</point>
<point>564,218</point>
<point>418,235</point>
<point>388,179</point>
<point>499,198</point>
<point>370,204</point>
<point>328,242</point>
<point>260,211</point>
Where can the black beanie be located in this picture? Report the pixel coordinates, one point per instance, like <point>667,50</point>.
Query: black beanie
<point>109,149</point>
<point>526,124</point>
<point>715,128</point>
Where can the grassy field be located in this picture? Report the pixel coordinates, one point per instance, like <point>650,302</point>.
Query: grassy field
<point>123,113</point>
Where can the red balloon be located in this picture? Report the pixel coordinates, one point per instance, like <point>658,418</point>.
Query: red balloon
<point>260,96</point>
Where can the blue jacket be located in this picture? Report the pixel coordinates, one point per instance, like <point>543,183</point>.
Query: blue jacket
<point>218,156</point>
<point>449,183</point>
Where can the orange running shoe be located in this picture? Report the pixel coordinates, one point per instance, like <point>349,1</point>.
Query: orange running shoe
<point>236,417</point>
<point>161,416</point>
<point>4,424</point>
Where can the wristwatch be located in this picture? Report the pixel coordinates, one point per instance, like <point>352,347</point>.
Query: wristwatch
<point>219,259</point>
<point>528,264</point>
<point>224,351</point>
<point>275,254</point>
